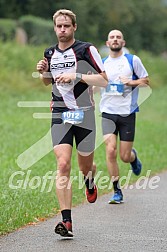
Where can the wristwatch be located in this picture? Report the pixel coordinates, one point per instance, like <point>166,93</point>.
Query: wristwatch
<point>78,77</point>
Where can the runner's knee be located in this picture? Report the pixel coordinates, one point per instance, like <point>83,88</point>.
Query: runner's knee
<point>64,167</point>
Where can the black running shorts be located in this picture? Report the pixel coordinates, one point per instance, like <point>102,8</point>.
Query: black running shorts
<point>122,125</point>
<point>83,133</point>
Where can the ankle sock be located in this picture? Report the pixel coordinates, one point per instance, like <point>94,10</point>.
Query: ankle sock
<point>66,215</point>
<point>89,184</point>
<point>116,185</point>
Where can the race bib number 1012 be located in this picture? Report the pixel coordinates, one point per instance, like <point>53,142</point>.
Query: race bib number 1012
<point>73,116</point>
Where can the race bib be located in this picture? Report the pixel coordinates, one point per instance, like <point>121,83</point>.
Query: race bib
<point>73,116</point>
<point>115,89</point>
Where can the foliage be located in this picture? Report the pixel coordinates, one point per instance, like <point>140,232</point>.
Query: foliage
<point>142,22</point>
<point>34,27</point>
<point>7,29</point>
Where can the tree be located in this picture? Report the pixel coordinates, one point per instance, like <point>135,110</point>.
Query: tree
<point>142,22</point>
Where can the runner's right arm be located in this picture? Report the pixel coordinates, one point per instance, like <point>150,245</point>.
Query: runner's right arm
<point>42,68</point>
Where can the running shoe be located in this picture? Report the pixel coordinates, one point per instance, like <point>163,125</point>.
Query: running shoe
<point>117,198</point>
<point>91,197</point>
<point>136,165</point>
<point>64,229</point>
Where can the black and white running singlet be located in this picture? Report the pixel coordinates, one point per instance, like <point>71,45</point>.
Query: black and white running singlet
<point>81,57</point>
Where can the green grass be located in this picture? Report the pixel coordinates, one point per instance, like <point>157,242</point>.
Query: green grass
<point>19,131</point>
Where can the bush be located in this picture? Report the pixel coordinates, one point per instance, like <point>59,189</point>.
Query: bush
<point>39,31</point>
<point>7,29</point>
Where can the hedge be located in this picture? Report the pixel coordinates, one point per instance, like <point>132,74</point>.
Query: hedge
<point>39,31</point>
<point>7,29</point>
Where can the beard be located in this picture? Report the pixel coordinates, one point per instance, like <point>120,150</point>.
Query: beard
<point>115,49</point>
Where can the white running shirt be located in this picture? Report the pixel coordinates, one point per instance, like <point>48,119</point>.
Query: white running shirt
<point>127,102</point>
